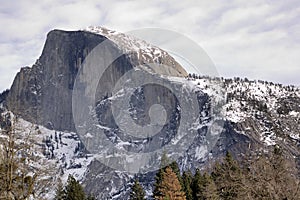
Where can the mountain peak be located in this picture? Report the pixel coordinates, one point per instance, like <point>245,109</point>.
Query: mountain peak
<point>145,52</point>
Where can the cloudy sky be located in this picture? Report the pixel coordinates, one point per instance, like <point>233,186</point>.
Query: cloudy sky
<point>256,39</point>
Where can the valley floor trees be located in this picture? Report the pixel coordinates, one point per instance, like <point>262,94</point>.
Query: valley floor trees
<point>170,187</point>
<point>72,191</point>
<point>137,192</point>
<point>256,176</point>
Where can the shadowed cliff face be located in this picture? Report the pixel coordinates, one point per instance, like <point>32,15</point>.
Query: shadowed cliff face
<point>43,93</point>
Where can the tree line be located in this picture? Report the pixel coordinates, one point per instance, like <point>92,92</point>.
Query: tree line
<point>255,176</point>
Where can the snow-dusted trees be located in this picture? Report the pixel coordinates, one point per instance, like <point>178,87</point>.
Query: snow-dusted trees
<point>72,191</point>
<point>137,192</point>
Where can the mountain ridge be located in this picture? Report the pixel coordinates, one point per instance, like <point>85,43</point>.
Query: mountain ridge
<point>254,114</point>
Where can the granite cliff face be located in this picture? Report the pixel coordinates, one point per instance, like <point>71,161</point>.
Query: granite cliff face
<point>43,93</point>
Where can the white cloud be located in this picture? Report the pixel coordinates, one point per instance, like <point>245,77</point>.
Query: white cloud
<point>258,39</point>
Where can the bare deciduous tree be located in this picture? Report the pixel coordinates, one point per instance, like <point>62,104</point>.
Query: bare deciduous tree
<point>20,178</point>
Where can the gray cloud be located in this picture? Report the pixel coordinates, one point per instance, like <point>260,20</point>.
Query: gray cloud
<point>257,39</point>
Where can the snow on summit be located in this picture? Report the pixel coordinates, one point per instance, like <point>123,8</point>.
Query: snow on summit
<point>142,52</point>
<point>130,43</point>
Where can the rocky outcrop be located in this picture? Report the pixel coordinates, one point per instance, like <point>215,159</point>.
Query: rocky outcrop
<point>43,93</point>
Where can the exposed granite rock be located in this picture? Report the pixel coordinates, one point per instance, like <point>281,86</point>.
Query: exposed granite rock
<point>43,93</point>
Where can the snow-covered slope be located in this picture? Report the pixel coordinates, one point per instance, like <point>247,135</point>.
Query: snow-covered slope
<point>271,110</point>
<point>130,44</point>
<point>60,154</point>
<point>265,104</point>
<point>265,112</point>
<point>145,53</point>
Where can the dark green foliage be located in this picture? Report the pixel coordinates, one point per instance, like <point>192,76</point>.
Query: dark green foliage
<point>257,176</point>
<point>203,187</point>
<point>187,179</point>
<point>137,192</point>
<point>164,162</point>
<point>74,190</point>
<point>209,189</point>
<point>197,185</point>
<point>227,177</point>
<point>176,170</point>
<point>158,180</point>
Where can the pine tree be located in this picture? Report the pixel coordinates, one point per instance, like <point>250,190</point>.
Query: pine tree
<point>74,190</point>
<point>197,185</point>
<point>228,178</point>
<point>158,177</point>
<point>157,183</point>
<point>187,179</point>
<point>137,191</point>
<point>210,191</point>
<point>170,187</point>
<point>176,170</point>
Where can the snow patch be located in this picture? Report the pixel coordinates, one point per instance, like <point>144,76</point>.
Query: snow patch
<point>200,152</point>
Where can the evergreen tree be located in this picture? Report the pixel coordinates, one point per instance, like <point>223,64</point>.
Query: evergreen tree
<point>187,179</point>
<point>197,185</point>
<point>170,187</point>
<point>176,170</point>
<point>228,179</point>
<point>158,177</point>
<point>74,190</point>
<point>137,191</point>
<point>157,183</point>
<point>210,191</point>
